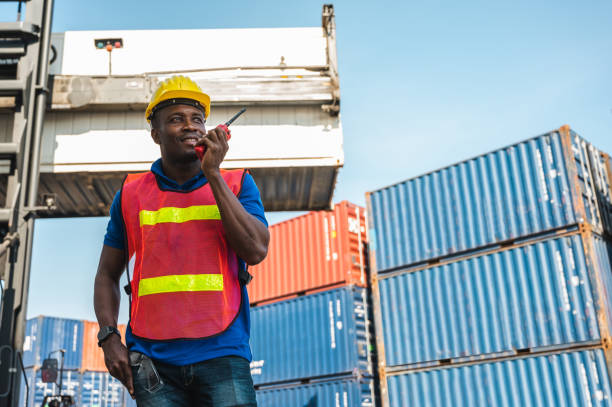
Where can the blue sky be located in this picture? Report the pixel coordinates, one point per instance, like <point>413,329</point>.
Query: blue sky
<point>424,84</point>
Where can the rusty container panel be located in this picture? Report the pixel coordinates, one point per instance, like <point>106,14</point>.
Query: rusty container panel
<point>321,249</point>
<point>602,177</point>
<point>93,357</point>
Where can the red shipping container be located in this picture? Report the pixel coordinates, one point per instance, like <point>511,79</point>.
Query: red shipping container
<point>321,249</point>
<point>93,357</point>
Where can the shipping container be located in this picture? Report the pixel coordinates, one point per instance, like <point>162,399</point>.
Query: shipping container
<point>311,336</point>
<point>71,386</point>
<point>348,392</point>
<point>290,137</point>
<point>100,389</point>
<point>316,250</point>
<point>49,334</point>
<point>129,402</point>
<point>569,379</point>
<point>93,357</point>
<point>602,178</point>
<point>548,294</point>
<point>89,389</point>
<point>530,188</point>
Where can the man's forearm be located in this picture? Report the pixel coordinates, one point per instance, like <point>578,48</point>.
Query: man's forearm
<point>106,300</point>
<point>246,235</point>
<point>106,286</point>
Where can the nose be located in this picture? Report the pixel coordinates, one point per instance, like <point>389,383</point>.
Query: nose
<point>190,125</point>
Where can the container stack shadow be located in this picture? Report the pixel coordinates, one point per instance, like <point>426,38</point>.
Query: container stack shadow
<point>85,377</point>
<point>492,279</point>
<point>311,333</point>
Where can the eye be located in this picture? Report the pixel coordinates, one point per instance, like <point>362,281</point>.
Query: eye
<point>198,119</point>
<point>175,119</point>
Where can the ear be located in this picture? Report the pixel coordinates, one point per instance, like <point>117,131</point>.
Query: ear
<point>155,135</point>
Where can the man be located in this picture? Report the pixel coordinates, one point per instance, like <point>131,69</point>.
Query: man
<point>185,231</point>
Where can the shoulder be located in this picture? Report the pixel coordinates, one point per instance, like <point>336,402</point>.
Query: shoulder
<point>135,178</point>
<point>250,198</point>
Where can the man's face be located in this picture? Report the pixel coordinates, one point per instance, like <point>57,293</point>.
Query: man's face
<point>177,129</point>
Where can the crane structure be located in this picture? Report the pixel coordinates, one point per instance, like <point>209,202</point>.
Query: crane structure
<point>24,56</point>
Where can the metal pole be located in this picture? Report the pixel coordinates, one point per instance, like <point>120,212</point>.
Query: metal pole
<point>41,102</point>
<point>62,351</point>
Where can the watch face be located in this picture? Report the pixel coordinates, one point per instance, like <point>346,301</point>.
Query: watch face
<point>104,332</point>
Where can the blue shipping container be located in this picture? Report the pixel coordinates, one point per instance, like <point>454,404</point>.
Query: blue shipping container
<point>47,334</point>
<point>338,393</point>
<point>90,389</point>
<point>548,294</point>
<point>315,335</point>
<point>573,379</point>
<point>100,389</point>
<point>129,402</point>
<point>602,174</point>
<point>538,185</point>
<point>71,386</point>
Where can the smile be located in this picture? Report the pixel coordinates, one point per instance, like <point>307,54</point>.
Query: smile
<point>191,140</point>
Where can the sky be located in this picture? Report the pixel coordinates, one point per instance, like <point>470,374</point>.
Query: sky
<point>423,85</point>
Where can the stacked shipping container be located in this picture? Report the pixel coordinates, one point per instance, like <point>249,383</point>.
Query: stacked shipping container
<point>346,392</point>
<point>496,272</point>
<point>321,249</point>
<point>310,327</point>
<point>85,377</point>
<point>316,335</point>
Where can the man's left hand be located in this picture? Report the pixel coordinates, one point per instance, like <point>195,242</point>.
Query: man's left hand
<point>216,145</point>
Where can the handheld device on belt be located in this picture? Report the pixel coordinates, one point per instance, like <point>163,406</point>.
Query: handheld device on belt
<point>146,371</point>
<point>200,150</point>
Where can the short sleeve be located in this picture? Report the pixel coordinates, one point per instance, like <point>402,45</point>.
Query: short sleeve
<point>115,235</point>
<point>251,200</point>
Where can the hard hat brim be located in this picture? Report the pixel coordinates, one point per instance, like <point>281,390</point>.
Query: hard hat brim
<point>202,98</point>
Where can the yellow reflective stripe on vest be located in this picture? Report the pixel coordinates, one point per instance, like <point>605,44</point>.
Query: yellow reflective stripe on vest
<point>180,283</point>
<point>179,215</point>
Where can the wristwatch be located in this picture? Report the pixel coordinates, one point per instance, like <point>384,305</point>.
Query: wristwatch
<point>105,332</point>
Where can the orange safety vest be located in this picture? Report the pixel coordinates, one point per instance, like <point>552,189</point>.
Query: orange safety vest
<point>183,273</point>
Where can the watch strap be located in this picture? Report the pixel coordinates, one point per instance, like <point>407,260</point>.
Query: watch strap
<point>106,332</point>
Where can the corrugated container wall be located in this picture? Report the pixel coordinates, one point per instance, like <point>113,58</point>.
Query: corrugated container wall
<point>602,177</point>
<point>129,402</point>
<point>93,357</point>
<point>319,249</point>
<point>337,393</point>
<point>526,189</point>
<point>310,336</point>
<point>47,334</point>
<point>537,296</point>
<point>101,389</point>
<point>89,389</point>
<point>574,379</point>
<point>71,386</point>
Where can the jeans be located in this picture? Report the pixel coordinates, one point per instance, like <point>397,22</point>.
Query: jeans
<point>220,382</point>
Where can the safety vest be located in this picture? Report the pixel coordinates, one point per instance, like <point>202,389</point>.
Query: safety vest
<point>183,273</point>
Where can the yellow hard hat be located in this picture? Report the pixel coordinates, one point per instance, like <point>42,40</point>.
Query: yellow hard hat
<point>178,89</point>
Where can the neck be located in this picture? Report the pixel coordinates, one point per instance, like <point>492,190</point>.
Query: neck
<point>181,172</point>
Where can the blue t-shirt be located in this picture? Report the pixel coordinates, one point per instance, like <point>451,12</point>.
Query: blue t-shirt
<point>235,340</point>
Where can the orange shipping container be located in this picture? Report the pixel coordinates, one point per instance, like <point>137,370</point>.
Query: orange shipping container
<point>93,357</point>
<point>321,249</point>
